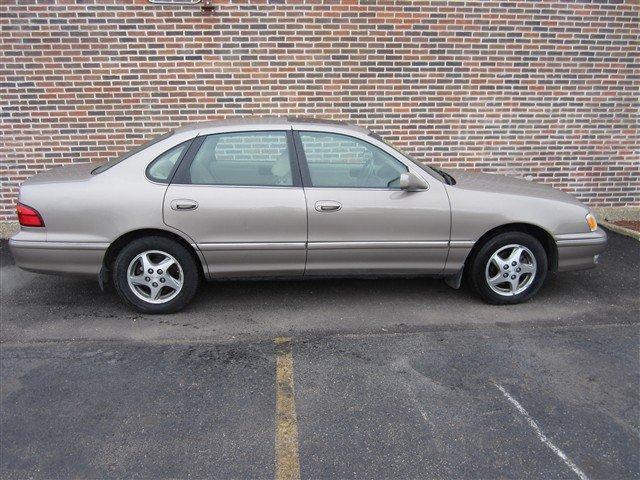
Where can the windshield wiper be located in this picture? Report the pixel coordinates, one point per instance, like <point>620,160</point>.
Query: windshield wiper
<point>449,180</point>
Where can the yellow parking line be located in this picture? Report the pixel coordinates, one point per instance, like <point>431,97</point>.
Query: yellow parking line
<point>287,462</point>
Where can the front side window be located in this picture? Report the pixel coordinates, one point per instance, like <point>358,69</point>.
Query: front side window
<point>341,161</point>
<point>160,169</point>
<point>431,170</point>
<point>247,158</point>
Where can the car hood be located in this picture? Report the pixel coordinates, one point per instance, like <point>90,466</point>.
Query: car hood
<point>70,173</point>
<point>486,182</point>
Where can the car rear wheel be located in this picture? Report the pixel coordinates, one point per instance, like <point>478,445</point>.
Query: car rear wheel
<point>509,268</point>
<point>156,275</point>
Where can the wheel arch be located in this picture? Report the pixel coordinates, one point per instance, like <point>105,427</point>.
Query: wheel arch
<point>539,233</point>
<point>119,243</point>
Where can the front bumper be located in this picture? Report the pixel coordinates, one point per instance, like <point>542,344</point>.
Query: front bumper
<point>58,257</point>
<point>579,251</point>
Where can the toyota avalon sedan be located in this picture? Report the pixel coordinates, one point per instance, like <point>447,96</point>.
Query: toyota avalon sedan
<point>292,197</point>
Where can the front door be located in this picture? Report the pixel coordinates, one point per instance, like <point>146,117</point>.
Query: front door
<point>360,221</point>
<point>240,198</point>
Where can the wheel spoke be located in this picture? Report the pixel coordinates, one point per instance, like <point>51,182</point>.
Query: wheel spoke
<point>165,264</point>
<point>138,279</point>
<point>146,262</point>
<point>497,280</point>
<point>514,283</point>
<point>526,268</point>
<point>497,261</point>
<point>516,254</point>
<point>172,282</point>
<point>155,291</point>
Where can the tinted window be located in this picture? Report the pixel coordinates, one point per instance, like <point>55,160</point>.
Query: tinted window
<point>124,156</point>
<point>249,158</point>
<point>160,169</point>
<point>341,161</point>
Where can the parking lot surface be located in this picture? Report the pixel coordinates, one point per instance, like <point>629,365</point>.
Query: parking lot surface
<point>396,378</point>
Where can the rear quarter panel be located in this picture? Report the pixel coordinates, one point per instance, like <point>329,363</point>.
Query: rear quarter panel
<point>100,208</point>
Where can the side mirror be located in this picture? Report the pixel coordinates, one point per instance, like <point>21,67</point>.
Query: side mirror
<point>412,183</point>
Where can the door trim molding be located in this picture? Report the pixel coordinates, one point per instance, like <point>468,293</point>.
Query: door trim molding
<point>461,243</point>
<point>208,247</point>
<point>373,245</point>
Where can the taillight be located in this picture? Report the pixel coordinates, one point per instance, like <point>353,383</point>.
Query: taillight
<point>29,217</point>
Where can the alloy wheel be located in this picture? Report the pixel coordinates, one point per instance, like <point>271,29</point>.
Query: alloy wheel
<point>155,276</point>
<point>511,270</point>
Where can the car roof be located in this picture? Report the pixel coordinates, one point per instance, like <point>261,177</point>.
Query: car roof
<point>272,121</point>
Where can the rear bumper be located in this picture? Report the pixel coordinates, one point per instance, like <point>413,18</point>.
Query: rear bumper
<point>579,251</point>
<point>58,257</point>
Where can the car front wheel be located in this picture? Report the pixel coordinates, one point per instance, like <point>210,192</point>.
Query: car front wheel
<point>509,268</point>
<point>156,275</point>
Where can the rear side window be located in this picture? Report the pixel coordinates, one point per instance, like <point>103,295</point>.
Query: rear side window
<point>243,159</point>
<point>341,161</point>
<point>124,156</point>
<point>160,169</point>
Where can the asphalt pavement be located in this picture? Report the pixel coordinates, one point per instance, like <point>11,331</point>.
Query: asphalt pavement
<point>395,378</point>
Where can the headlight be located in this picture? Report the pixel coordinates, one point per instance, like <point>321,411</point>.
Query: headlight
<point>591,221</point>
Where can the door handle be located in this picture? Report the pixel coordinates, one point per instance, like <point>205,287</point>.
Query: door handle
<point>184,205</point>
<point>328,206</point>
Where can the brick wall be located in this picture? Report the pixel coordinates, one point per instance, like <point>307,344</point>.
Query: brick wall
<point>547,89</point>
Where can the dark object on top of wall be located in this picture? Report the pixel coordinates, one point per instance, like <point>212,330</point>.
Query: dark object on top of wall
<point>207,6</point>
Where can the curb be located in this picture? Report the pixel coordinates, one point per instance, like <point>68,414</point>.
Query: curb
<point>621,230</point>
<point>612,214</point>
<point>607,215</point>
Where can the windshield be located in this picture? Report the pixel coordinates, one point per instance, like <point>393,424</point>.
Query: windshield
<point>124,156</point>
<point>434,172</point>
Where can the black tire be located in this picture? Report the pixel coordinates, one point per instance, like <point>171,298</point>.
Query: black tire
<point>477,271</point>
<point>190,274</point>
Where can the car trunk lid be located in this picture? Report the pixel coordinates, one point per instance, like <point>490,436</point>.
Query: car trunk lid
<point>69,173</point>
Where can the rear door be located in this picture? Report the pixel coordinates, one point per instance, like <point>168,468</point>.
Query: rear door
<point>239,196</point>
<point>360,221</point>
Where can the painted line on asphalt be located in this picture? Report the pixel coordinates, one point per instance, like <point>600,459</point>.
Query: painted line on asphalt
<point>287,460</point>
<point>543,438</point>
